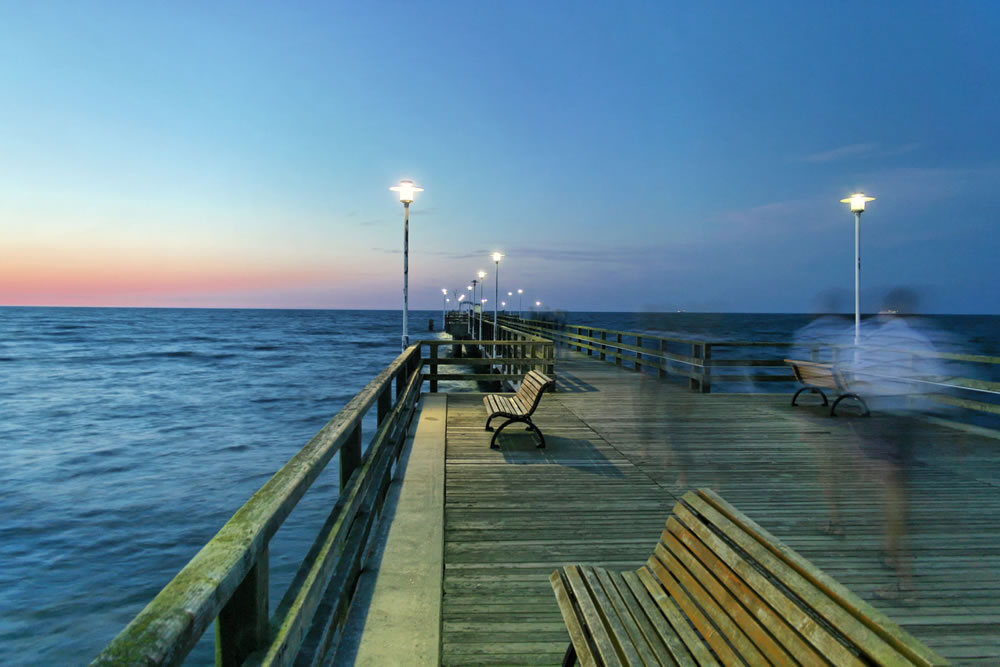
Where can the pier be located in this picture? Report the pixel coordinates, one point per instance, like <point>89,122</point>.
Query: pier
<point>445,556</point>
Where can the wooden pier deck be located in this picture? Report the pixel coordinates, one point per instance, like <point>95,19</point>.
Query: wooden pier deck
<point>621,449</point>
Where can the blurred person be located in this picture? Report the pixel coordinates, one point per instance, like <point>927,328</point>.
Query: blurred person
<point>891,368</point>
<point>822,340</point>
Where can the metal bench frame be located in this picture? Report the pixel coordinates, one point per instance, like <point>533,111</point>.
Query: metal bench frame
<point>832,378</point>
<point>533,385</point>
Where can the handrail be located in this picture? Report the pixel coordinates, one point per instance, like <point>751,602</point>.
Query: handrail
<point>700,364</point>
<point>228,578</point>
<point>517,352</point>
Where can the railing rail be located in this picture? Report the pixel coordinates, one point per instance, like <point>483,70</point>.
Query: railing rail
<point>701,366</point>
<point>505,355</point>
<point>227,581</point>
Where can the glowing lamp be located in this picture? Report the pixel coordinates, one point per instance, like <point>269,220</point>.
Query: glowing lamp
<point>406,190</point>
<point>857,201</point>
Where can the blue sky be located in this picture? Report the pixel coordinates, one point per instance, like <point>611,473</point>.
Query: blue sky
<point>664,155</point>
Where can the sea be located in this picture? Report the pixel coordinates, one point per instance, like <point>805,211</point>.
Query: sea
<point>129,436</point>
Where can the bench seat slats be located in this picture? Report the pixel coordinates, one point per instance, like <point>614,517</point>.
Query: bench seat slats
<point>845,623</point>
<point>813,632</point>
<point>693,612</point>
<point>865,614</point>
<point>651,646</point>
<point>750,631</point>
<point>622,635</point>
<point>714,613</point>
<point>570,613</point>
<point>667,635</point>
<point>605,648</point>
<point>675,615</point>
<point>718,588</point>
<point>775,623</point>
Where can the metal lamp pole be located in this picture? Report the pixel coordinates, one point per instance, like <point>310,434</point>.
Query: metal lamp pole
<point>406,191</point>
<point>857,203</point>
<point>520,293</point>
<point>472,309</point>
<point>444,306</point>
<point>497,256</point>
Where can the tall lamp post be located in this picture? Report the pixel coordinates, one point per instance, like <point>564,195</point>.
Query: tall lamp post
<point>406,190</point>
<point>520,292</point>
<point>472,308</point>
<point>482,305</point>
<point>497,256</point>
<point>482,288</point>
<point>444,305</point>
<point>857,203</point>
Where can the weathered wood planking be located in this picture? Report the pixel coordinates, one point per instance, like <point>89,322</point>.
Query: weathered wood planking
<point>622,446</point>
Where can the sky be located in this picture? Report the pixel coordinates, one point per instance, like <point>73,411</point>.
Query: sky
<point>624,156</point>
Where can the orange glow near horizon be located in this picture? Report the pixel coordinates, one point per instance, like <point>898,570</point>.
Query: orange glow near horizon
<point>81,278</point>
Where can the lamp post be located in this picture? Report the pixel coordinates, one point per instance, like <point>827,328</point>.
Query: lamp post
<point>497,256</point>
<point>472,307</point>
<point>461,297</point>
<point>406,190</point>
<point>482,305</point>
<point>444,305</point>
<point>520,292</point>
<point>857,203</point>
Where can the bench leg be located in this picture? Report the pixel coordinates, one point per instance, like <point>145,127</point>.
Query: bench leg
<point>496,434</point>
<point>488,427</point>
<point>833,410</point>
<point>521,420</point>
<point>813,390</point>
<point>570,658</point>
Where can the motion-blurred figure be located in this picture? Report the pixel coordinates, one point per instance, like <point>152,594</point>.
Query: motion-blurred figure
<point>892,370</point>
<point>824,340</point>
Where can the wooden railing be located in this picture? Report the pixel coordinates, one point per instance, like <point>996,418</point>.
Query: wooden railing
<point>695,361</point>
<point>227,581</point>
<point>505,355</point>
<point>704,362</point>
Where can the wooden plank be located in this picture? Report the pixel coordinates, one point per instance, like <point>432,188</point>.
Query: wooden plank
<point>577,635</point>
<point>774,622</point>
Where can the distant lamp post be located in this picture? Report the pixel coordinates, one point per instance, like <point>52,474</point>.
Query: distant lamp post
<point>497,256</point>
<point>857,203</point>
<point>520,293</point>
<point>482,305</point>
<point>444,306</point>
<point>472,307</point>
<point>406,190</point>
<point>482,289</point>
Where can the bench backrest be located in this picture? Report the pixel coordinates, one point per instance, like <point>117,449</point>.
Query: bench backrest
<point>749,594</point>
<point>812,374</point>
<point>530,392</point>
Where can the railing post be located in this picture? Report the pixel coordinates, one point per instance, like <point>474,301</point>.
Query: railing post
<point>242,626</point>
<point>434,367</point>
<point>384,405</point>
<point>694,382</point>
<point>590,344</point>
<point>663,359</point>
<point>618,358</point>
<point>706,377</point>
<point>350,456</point>
<point>604,347</point>
<point>638,356</point>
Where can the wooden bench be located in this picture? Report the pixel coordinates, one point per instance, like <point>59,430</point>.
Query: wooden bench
<point>815,377</point>
<point>519,407</point>
<point>721,589</point>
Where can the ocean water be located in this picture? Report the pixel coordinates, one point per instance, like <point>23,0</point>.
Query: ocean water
<point>129,436</point>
